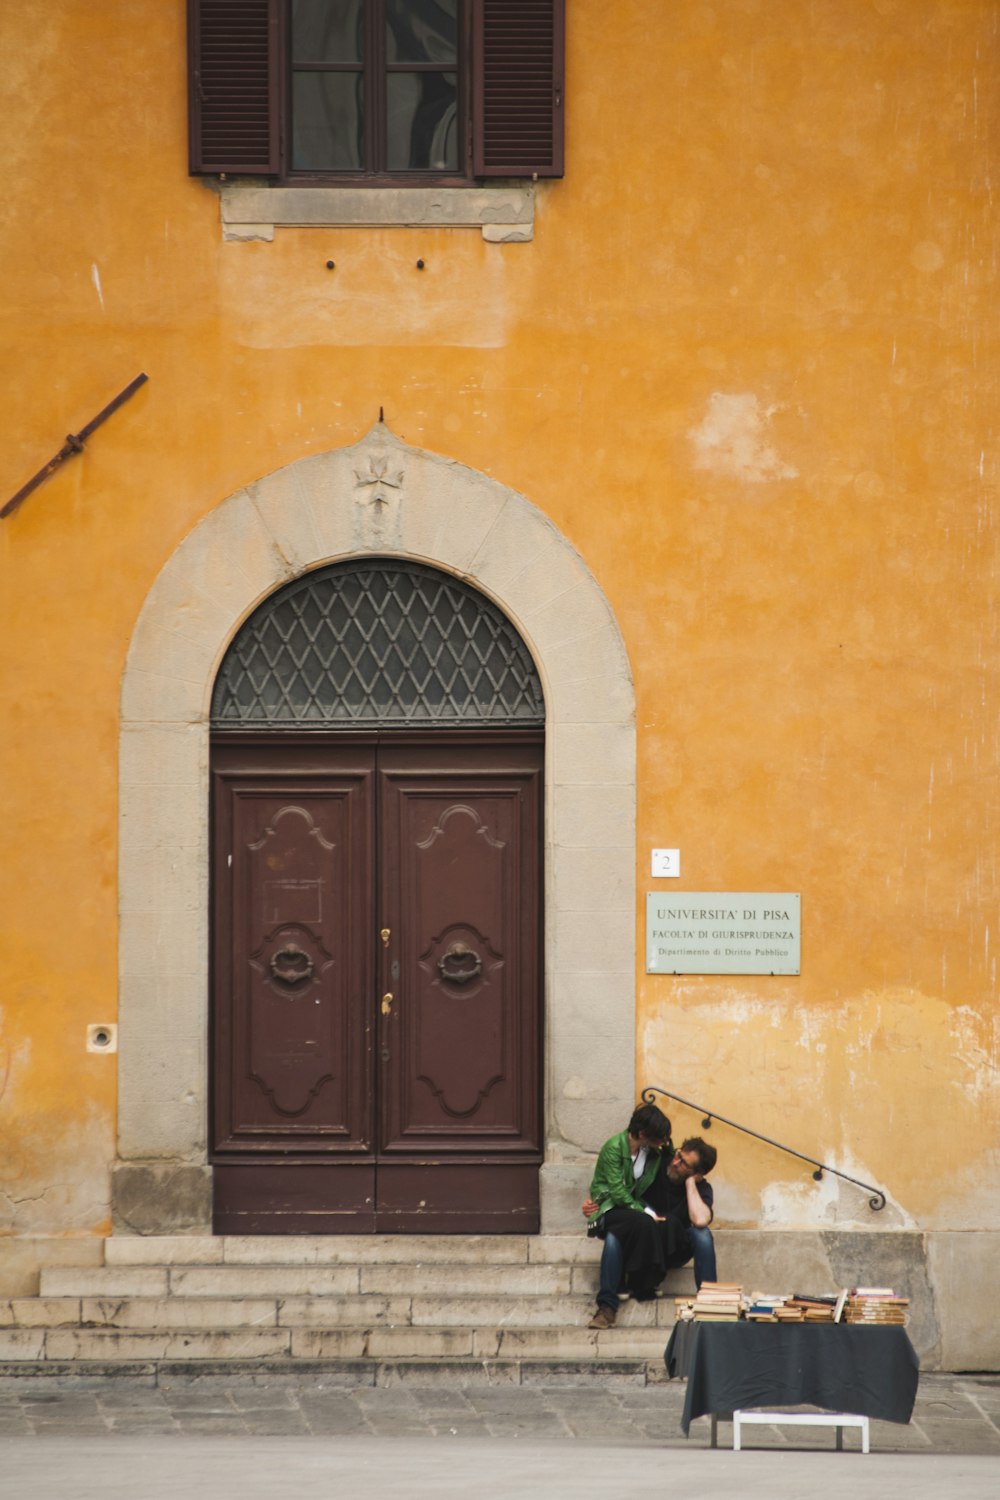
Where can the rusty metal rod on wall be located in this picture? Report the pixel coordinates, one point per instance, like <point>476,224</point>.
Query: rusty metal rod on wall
<point>875,1204</point>
<point>73,444</point>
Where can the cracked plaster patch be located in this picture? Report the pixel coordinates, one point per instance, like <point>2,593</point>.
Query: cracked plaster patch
<point>65,1191</point>
<point>731,440</point>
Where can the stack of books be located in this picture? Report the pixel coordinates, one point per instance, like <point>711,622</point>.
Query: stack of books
<point>875,1304</point>
<point>801,1307</point>
<point>820,1308</point>
<point>762,1307</point>
<point>789,1311</point>
<point>718,1302</point>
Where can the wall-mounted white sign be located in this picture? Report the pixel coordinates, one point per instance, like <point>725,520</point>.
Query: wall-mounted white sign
<point>723,932</point>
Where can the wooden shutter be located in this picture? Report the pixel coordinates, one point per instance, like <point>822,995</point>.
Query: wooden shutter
<point>518,88</point>
<point>233,85</point>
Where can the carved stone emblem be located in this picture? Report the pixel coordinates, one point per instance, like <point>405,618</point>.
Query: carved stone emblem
<point>380,477</point>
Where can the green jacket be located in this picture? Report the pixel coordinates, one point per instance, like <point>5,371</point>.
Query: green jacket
<point>613,1185</point>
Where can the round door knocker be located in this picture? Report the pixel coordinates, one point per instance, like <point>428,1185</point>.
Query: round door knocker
<point>460,964</point>
<point>291,965</point>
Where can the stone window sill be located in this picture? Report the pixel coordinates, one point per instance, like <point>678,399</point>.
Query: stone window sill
<point>252,212</point>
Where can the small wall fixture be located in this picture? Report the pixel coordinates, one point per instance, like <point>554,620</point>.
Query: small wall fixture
<point>102,1037</point>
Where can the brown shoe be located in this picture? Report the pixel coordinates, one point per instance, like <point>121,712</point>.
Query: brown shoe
<point>604,1317</point>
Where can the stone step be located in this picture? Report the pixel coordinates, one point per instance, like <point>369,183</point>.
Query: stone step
<point>330,1344</point>
<point>103,1281</point>
<point>172,1312</point>
<point>350,1249</point>
<point>345,1278</point>
<point>402,1280</point>
<point>597,1373</point>
<point>184,1280</point>
<point>480,1343</point>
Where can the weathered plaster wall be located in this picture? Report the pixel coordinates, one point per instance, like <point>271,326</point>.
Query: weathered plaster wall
<point>748,367</point>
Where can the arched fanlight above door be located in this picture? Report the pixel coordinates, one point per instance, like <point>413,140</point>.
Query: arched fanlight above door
<point>377,641</point>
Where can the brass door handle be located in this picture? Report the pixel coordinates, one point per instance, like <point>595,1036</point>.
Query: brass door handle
<point>387,1000</point>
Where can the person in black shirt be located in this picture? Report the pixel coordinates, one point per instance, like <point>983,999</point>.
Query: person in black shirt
<point>639,1248</point>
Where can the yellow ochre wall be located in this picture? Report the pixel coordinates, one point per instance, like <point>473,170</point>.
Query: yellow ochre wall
<point>748,367</point>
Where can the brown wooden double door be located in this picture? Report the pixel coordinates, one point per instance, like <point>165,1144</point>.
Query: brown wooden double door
<point>376,1028</point>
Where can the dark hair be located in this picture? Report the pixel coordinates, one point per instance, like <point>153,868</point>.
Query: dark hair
<point>707,1155</point>
<point>650,1121</point>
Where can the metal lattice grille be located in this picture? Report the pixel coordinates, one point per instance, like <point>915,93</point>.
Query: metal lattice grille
<point>383,642</point>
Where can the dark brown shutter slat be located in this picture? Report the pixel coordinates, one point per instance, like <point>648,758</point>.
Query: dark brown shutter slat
<point>233,85</point>
<point>518,88</point>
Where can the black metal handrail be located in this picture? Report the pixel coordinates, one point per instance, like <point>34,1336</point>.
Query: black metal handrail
<point>875,1204</point>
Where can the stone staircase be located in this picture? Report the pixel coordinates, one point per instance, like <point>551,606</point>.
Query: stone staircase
<point>359,1309</point>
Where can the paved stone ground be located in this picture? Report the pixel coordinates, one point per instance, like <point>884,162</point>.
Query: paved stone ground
<point>954,1414</point>
<point>260,1468</point>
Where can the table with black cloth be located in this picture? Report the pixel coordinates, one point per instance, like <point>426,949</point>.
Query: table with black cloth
<point>867,1371</point>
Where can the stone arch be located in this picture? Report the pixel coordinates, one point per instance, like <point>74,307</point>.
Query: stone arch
<point>378,497</point>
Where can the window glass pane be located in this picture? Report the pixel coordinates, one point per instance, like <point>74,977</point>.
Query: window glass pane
<point>377,641</point>
<point>327,122</point>
<point>421,31</point>
<point>329,31</point>
<point>422,122</point>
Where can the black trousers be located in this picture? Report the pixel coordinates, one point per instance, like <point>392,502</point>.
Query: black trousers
<point>649,1248</point>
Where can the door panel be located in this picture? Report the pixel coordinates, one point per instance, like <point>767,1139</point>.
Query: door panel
<point>264,1195</point>
<point>293,1041</point>
<point>461,1068</point>
<point>377,1000</point>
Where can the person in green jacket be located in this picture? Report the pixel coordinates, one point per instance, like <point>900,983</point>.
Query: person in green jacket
<point>626,1167</point>
<point>627,1164</point>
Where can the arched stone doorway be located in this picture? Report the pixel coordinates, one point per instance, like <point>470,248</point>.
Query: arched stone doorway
<point>382,498</point>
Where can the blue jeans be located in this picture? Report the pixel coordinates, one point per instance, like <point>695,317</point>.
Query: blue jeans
<point>703,1253</point>
<point>700,1247</point>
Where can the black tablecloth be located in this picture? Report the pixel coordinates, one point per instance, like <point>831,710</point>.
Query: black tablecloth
<point>871,1372</point>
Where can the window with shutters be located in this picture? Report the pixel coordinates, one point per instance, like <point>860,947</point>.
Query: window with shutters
<point>370,92</point>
